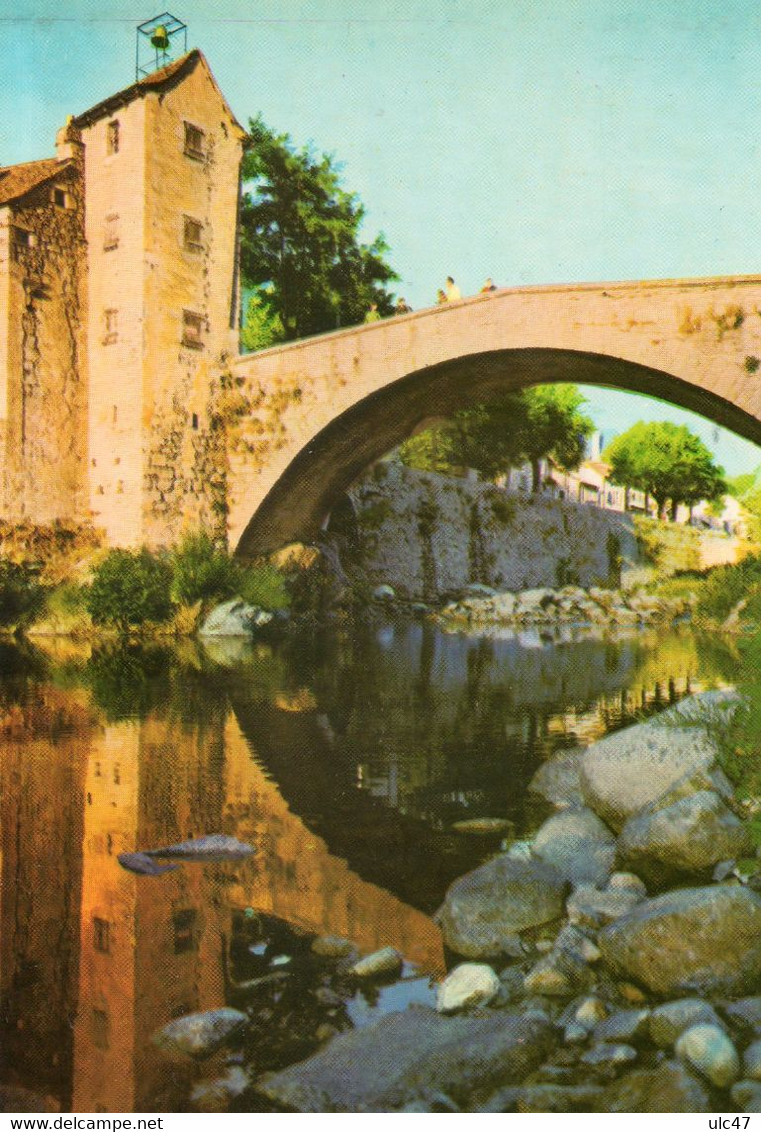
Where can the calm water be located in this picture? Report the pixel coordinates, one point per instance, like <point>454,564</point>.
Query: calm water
<point>345,761</point>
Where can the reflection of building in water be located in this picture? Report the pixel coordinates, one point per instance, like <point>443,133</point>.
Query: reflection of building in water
<point>43,756</point>
<point>90,946</point>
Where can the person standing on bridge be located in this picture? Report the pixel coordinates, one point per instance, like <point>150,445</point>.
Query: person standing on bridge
<point>488,286</point>
<point>402,307</point>
<point>373,315</point>
<point>441,296</point>
<point>453,291</point>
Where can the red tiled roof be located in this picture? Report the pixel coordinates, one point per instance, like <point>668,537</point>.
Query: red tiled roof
<point>159,80</point>
<point>17,180</point>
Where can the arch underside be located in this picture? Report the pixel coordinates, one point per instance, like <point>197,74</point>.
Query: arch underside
<point>321,472</point>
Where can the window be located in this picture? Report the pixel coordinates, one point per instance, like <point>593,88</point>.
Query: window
<point>195,142</point>
<point>184,923</point>
<point>193,234</point>
<point>194,421</point>
<point>60,198</point>
<point>110,326</point>
<point>192,330</point>
<point>101,935</point>
<point>21,238</point>
<point>112,137</point>
<point>111,233</point>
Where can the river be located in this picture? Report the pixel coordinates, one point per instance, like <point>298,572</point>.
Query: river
<point>344,759</point>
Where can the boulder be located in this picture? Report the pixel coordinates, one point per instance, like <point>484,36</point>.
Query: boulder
<point>668,1088</point>
<point>403,1057</point>
<point>557,780</point>
<point>744,1014</point>
<point>558,1098</point>
<point>686,839</point>
<point>671,1019</point>
<point>470,984</point>
<point>623,1026</point>
<point>234,618</point>
<point>694,939</point>
<point>578,844</point>
<point>200,1035</point>
<point>608,1055</point>
<point>382,964</point>
<point>489,905</point>
<point>588,907</point>
<point>752,1061</point>
<point>558,975</point>
<point>630,769</point>
<point>707,1049</point>
<point>746,1095</point>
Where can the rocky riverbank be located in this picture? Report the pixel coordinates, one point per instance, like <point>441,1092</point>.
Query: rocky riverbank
<point>479,606</point>
<point>612,963</point>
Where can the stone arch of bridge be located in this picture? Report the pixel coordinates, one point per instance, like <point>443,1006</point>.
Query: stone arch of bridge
<point>319,474</point>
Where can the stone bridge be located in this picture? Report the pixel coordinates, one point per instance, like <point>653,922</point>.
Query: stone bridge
<point>313,414</point>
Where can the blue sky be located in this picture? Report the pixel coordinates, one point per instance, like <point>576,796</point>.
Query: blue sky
<point>531,141</point>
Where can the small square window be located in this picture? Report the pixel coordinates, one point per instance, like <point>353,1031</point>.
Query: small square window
<point>193,234</point>
<point>112,137</point>
<point>192,330</point>
<point>21,238</point>
<point>195,142</point>
<point>111,233</point>
<point>101,935</point>
<point>184,923</point>
<point>110,326</point>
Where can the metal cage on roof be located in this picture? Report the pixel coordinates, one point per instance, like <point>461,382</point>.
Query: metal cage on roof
<point>158,42</point>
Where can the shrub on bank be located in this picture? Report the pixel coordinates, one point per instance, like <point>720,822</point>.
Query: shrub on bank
<point>201,571</point>
<point>21,594</point>
<point>130,587</point>
<point>725,586</point>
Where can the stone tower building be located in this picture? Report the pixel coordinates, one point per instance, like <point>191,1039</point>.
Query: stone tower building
<point>119,309</point>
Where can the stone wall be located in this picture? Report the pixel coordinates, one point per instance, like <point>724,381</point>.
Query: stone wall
<point>427,535</point>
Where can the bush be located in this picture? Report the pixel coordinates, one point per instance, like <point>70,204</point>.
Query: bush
<point>725,586</point>
<point>263,585</point>
<point>21,594</point>
<point>129,588</point>
<point>202,571</point>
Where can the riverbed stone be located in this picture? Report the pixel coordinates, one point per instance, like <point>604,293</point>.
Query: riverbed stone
<point>589,907</point>
<point>628,881</point>
<point>235,618</point>
<point>384,1066</point>
<point>502,897</point>
<point>557,779</point>
<point>382,964</point>
<point>694,939</point>
<point>485,827</point>
<point>469,985</point>
<point>746,1095</point>
<point>609,1055</point>
<point>683,840</point>
<point>707,1049</point>
<point>590,1012</point>
<point>671,1019</point>
<point>332,947</point>
<point>629,1026</point>
<point>558,1098</point>
<point>578,844</point>
<point>670,1087</point>
<point>200,1035</point>
<point>744,1014</point>
<point>752,1061</point>
<point>630,769</point>
<point>559,975</point>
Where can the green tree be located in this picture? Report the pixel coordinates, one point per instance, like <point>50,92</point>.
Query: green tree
<point>261,325</point>
<point>666,461</point>
<point>300,247</point>
<point>554,427</point>
<point>545,421</point>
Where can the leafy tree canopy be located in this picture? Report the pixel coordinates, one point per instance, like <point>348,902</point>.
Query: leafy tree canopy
<point>545,421</point>
<point>300,247</point>
<point>668,462</point>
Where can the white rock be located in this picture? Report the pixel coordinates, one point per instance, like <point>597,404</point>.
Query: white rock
<point>708,1049</point>
<point>387,961</point>
<point>470,984</point>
